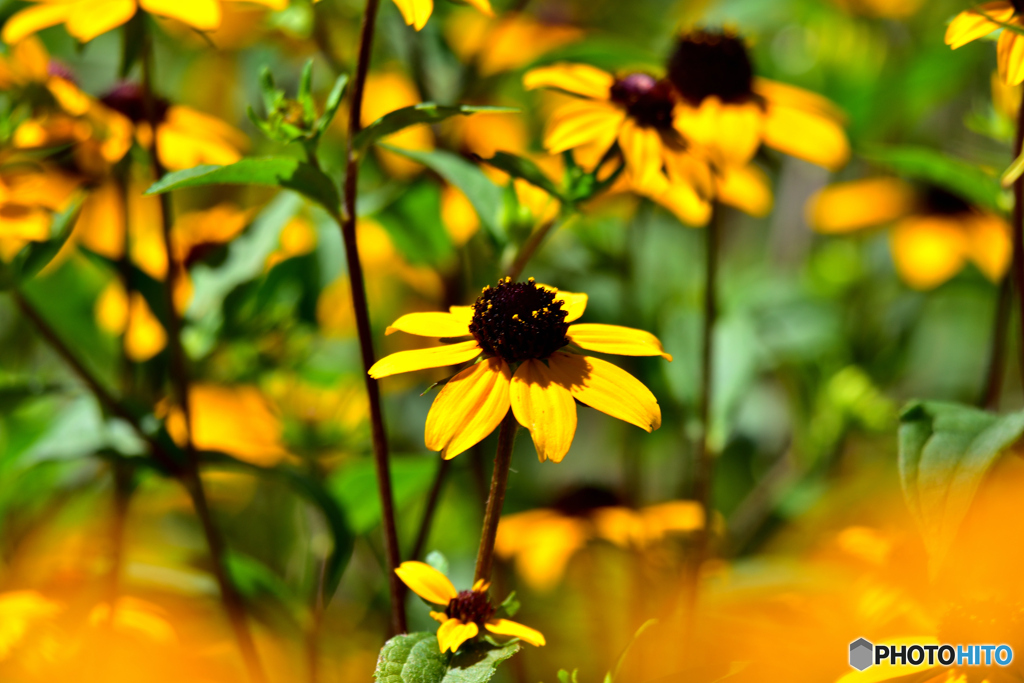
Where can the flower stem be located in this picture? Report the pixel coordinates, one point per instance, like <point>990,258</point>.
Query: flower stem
<point>355,272</point>
<point>189,476</point>
<point>704,461</point>
<point>428,511</point>
<point>997,356</point>
<point>530,247</point>
<point>496,498</point>
<point>1018,235</point>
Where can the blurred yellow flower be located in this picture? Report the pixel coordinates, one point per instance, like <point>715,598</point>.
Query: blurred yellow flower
<point>520,329</point>
<point>504,44</point>
<point>935,233</point>
<point>19,611</point>
<point>30,193</point>
<point>298,237</point>
<point>982,20</point>
<point>86,19</point>
<point>891,9</point>
<point>387,91</point>
<point>466,614</point>
<point>117,314</point>
<point>416,12</point>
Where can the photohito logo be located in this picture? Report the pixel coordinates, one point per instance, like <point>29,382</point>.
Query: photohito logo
<point>864,654</point>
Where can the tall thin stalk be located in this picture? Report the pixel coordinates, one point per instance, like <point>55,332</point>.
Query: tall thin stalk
<point>997,356</point>
<point>496,497</point>
<point>358,288</point>
<point>1018,236</point>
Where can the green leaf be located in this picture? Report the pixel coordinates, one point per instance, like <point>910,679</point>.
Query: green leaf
<point>305,94</point>
<point>510,605</point>
<point>945,450</point>
<point>283,172</point>
<point>424,112</point>
<point>950,173</point>
<point>1013,172</point>
<point>411,658</point>
<point>37,255</point>
<point>519,167</point>
<point>438,561</point>
<point>477,663</point>
<point>355,487</point>
<point>483,194</point>
<point>332,104</point>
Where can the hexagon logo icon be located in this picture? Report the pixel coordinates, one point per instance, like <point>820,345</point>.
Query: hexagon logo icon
<point>861,654</point>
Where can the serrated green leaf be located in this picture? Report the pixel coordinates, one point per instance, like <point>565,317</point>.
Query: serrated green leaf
<point>950,173</point>
<point>283,172</point>
<point>477,663</point>
<point>411,658</point>
<point>37,255</point>
<point>424,112</point>
<point>945,450</point>
<point>519,167</point>
<point>483,194</point>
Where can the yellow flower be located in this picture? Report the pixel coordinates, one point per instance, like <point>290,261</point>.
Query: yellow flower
<point>982,20</point>
<point>416,12</point>
<point>507,43</point>
<point>730,112</point>
<point>465,613</point>
<point>935,233</point>
<point>521,330</point>
<point>387,91</point>
<point>29,195</point>
<point>637,112</point>
<point>86,19</point>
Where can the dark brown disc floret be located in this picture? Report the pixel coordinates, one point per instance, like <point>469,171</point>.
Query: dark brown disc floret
<point>129,99</point>
<point>648,101</point>
<point>471,607</point>
<point>711,63</point>
<point>938,201</point>
<point>1018,6</point>
<point>517,321</point>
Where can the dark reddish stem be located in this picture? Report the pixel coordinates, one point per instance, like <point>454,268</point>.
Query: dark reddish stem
<point>496,497</point>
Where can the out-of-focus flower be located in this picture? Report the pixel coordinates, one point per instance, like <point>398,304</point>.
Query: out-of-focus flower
<point>521,329</point>
<point>935,232</point>
<point>86,19</point>
<point>730,112</point>
<point>416,12</point>
<point>136,617</point>
<point>298,237</point>
<point>117,314</point>
<point>466,613</point>
<point>30,193</point>
<point>387,91</point>
<point>504,44</point>
<point>889,9</point>
<point>635,111</point>
<point>19,611</point>
<point>982,20</point>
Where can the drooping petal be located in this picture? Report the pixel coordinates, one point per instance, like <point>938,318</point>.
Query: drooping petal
<point>457,635</point>
<point>35,18</point>
<point>421,359</point>
<point>928,250</point>
<point>444,633</point>
<point>578,79</point>
<point>1010,57</point>
<point>439,616</point>
<point>684,201</point>
<point>545,407</point>
<point>807,135</point>
<point>504,627</point>
<point>426,582</point>
<point>623,341</point>
<point>970,24</point>
<point>582,122</point>
<point>607,388</point>
<point>746,188</point>
<point>786,95</point>
<point>469,407</point>
<point>641,147</point>
<point>204,15</point>
<point>415,12</point>
<point>845,207</point>
<point>92,18</point>
<point>432,324</point>
<point>731,131</point>
<point>990,245</point>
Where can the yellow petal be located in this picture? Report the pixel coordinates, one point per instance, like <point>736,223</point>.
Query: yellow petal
<point>444,632</point>
<point>95,17</point>
<point>457,635</point>
<point>573,303</point>
<point>582,122</point>
<point>624,341</point>
<point>732,131</point>
<point>928,250</point>
<point>807,135</point>
<point>416,13</point>
<point>545,407</point>
<point>35,18</point>
<point>463,313</point>
<point>469,407</point>
<point>641,147</point>
<point>1010,57</point>
<point>421,359</point>
<point>504,627</point>
<point>145,336</point>
<point>684,201</point>
<point>426,582</point>
<point>845,207</point>
<point>578,79</point>
<point>787,95</point>
<point>433,324</point>
<point>607,388</point>
<point>990,245</point>
<point>204,15</point>
<point>482,6</point>
<point>439,616</point>
<point>745,188</point>
<point>970,25</point>
<point>111,308</point>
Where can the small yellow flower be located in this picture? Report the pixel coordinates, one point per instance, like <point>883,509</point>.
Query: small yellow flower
<point>416,12</point>
<point>982,20</point>
<point>935,233</point>
<point>86,19</point>
<point>521,330</point>
<point>465,613</point>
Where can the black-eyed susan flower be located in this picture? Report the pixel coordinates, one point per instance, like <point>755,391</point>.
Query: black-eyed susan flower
<point>730,112</point>
<point>521,333</point>
<point>978,22</point>
<point>935,233</point>
<point>636,111</point>
<point>466,614</point>
<point>416,12</point>
<point>86,19</point>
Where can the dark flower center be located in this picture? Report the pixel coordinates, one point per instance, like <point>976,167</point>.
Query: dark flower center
<point>707,63</point>
<point>519,320</point>
<point>129,99</point>
<point>1018,6</point>
<point>470,607</point>
<point>580,502</point>
<point>648,101</point>
<point>938,201</point>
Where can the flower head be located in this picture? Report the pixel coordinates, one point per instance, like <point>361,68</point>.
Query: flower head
<point>466,614</point>
<point>521,333</point>
<point>982,20</point>
<point>416,12</point>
